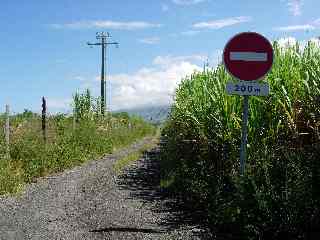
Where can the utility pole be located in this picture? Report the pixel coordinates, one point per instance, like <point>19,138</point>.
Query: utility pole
<point>103,38</point>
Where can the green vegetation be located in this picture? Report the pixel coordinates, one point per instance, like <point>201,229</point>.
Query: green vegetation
<point>127,160</point>
<point>279,196</point>
<point>132,157</point>
<point>69,142</point>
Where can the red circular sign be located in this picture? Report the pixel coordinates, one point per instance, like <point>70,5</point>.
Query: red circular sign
<point>248,56</point>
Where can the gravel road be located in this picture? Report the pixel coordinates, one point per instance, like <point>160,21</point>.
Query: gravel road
<point>92,202</point>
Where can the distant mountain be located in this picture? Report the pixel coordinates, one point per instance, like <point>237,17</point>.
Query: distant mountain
<point>154,114</point>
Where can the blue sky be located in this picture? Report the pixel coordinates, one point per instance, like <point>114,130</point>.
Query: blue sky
<point>44,51</point>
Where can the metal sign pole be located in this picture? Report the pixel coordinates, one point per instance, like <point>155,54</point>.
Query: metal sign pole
<point>245,51</point>
<point>243,147</point>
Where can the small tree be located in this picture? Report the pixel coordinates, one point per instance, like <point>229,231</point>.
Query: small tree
<point>85,106</point>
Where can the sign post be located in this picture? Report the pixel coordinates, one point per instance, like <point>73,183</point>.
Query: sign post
<point>248,57</point>
<point>243,147</point>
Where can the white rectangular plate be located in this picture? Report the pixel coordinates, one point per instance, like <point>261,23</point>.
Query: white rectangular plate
<point>248,56</point>
<point>247,88</point>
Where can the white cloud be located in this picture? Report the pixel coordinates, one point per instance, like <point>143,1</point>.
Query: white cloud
<point>304,27</point>
<point>154,85</point>
<point>295,28</point>
<point>216,58</point>
<point>217,24</point>
<point>295,7</point>
<point>59,105</point>
<point>187,2</point>
<point>287,42</point>
<point>190,33</point>
<point>150,86</point>
<point>134,25</point>
<point>167,61</point>
<point>151,40</point>
<point>316,22</point>
<point>291,42</point>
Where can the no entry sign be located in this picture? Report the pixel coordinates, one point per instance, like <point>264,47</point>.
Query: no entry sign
<point>248,56</point>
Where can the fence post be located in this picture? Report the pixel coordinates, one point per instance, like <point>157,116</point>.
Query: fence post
<point>44,125</point>
<point>7,131</point>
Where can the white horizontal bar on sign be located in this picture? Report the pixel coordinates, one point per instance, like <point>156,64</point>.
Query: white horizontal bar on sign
<point>248,56</point>
<point>247,88</point>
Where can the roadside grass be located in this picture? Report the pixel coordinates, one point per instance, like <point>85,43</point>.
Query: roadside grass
<point>121,164</point>
<point>11,177</point>
<point>31,157</point>
<point>126,161</point>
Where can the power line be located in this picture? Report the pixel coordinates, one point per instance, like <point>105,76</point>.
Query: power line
<point>103,38</point>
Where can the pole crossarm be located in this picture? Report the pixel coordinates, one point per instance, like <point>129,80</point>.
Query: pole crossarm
<point>93,44</point>
<point>100,44</point>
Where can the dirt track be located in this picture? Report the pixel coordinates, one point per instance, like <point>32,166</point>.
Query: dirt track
<point>92,202</point>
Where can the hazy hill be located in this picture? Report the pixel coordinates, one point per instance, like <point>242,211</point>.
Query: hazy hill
<point>155,114</point>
